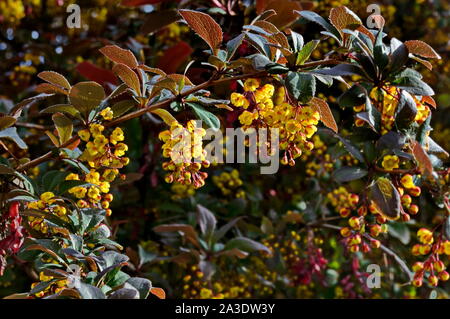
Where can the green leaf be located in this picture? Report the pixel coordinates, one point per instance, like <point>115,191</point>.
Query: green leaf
<point>209,118</point>
<point>122,107</point>
<point>386,198</point>
<point>347,174</point>
<point>86,96</point>
<point>143,285</point>
<point>64,127</point>
<point>206,220</point>
<point>90,292</point>
<point>301,85</point>
<point>63,108</point>
<point>259,42</point>
<point>314,17</point>
<point>398,58</point>
<point>354,96</point>
<point>245,244</point>
<point>414,85</point>
<point>145,256</point>
<point>306,51</point>
<point>11,134</point>
<point>406,110</point>
<point>344,69</point>
<point>52,179</point>
<point>400,231</point>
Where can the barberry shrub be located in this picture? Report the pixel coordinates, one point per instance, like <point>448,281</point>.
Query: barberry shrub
<point>364,171</point>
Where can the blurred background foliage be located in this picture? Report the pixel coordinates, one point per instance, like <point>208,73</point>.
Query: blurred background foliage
<point>307,261</point>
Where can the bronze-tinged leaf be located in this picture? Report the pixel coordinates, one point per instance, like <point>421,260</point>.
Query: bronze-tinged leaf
<point>178,78</point>
<point>366,31</point>
<point>343,18</point>
<point>128,76</point>
<point>55,79</point>
<point>64,126</point>
<point>151,70</point>
<point>422,49</point>
<point>422,158</point>
<point>50,88</point>
<point>429,101</point>
<point>326,116</point>
<point>425,63</point>
<point>187,230</point>
<point>119,55</point>
<point>205,26</point>
<point>6,121</point>
<point>386,198</point>
<point>85,96</point>
<point>277,37</point>
<point>53,138</point>
<point>285,12</point>
<point>16,111</point>
<point>158,19</point>
<point>158,292</point>
<point>165,116</point>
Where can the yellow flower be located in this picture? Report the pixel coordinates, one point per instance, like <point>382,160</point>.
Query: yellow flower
<point>72,177</point>
<point>84,135</point>
<point>78,191</point>
<point>246,118</point>
<point>239,100</point>
<point>292,126</point>
<point>47,196</point>
<point>205,293</point>
<point>251,85</point>
<point>96,129</point>
<point>407,181</point>
<point>425,236</point>
<point>390,162</point>
<point>116,136</point>
<point>120,149</point>
<point>93,177</point>
<point>107,114</point>
<point>100,141</point>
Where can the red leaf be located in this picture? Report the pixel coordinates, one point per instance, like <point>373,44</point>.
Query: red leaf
<point>174,57</point>
<point>96,74</point>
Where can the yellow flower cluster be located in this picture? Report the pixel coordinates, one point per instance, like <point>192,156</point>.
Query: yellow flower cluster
<point>50,204</point>
<point>229,184</point>
<point>104,155</point>
<point>11,11</point>
<point>345,203</point>
<point>184,147</point>
<point>432,267</point>
<point>229,285</point>
<point>181,191</point>
<point>296,124</point>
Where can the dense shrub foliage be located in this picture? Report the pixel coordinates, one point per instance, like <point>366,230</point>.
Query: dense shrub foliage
<point>102,195</point>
